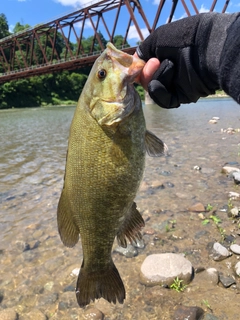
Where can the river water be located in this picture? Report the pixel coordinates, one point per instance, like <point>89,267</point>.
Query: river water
<point>35,267</point>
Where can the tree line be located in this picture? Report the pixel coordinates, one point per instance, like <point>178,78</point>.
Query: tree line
<point>52,89</point>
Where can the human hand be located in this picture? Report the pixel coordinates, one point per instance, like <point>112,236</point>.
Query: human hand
<point>188,53</point>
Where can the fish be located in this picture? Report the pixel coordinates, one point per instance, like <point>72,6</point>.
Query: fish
<point>105,162</point>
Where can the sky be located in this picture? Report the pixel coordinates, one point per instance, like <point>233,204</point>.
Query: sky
<point>33,12</point>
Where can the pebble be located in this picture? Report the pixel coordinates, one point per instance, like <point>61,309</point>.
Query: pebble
<point>35,315</point>
<point>22,246</point>
<point>226,281</point>
<point>75,272</point>
<point>93,314</point>
<point>228,169</point>
<point>188,313</point>
<point>163,269</point>
<point>219,252</point>
<point>236,177</point>
<point>237,268</point>
<point>8,314</point>
<point>235,248</point>
<point>67,301</point>
<point>197,207</point>
<point>233,195</point>
<point>209,316</point>
<point>234,212</point>
<point>210,275</point>
<point>139,244</point>
<point>128,252</point>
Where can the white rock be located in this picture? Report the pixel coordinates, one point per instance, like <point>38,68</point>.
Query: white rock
<point>235,248</point>
<point>163,269</point>
<point>237,268</point>
<point>75,272</point>
<point>220,252</point>
<point>234,211</point>
<point>233,195</point>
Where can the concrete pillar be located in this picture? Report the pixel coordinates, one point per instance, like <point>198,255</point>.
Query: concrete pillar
<point>148,99</point>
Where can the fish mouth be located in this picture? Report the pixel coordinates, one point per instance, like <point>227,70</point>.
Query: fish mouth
<point>130,65</point>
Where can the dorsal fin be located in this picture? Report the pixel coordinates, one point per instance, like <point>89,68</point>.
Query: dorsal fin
<point>154,146</point>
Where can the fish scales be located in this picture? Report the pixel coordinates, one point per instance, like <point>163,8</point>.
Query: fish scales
<point>104,167</point>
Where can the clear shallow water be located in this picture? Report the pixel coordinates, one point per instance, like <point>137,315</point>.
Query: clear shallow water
<point>32,161</point>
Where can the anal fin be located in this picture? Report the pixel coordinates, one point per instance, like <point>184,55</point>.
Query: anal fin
<point>155,147</point>
<point>68,231</point>
<point>130,229</point>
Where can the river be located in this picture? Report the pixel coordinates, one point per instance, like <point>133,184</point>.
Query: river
<point>35,267</point>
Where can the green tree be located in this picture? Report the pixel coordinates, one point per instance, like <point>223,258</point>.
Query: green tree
<point>3,26</point>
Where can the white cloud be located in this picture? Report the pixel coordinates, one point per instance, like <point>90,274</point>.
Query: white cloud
<point>203,9</point>
<point>175,19</point>
<point>74,3</point>
<point>133,34</point>
<point>87,25</point>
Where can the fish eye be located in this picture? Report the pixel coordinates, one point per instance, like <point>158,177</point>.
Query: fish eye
<point>102,74</point>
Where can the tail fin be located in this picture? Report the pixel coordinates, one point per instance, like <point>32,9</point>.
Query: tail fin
<point>105,284</point>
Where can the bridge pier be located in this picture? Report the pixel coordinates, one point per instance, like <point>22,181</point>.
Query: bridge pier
<point>148,99</point>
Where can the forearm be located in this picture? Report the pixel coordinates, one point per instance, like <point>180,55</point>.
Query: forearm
<point>229,66</point>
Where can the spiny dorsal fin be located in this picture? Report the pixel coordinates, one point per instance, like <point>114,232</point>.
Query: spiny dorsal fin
<point>154,146</point>
<point>130,229</point>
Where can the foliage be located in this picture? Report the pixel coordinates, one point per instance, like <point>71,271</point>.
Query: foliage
<point>178,285</point>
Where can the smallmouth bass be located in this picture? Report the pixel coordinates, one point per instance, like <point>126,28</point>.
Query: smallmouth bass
<point>107,144</point>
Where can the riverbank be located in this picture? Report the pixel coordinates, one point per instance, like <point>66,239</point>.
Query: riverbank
<point>38,274</point>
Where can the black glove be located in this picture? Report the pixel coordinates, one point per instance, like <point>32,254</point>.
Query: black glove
<point>189,51</point>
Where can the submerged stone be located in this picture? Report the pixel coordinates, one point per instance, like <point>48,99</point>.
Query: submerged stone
<point>226,281</point>
<point>163,269</point>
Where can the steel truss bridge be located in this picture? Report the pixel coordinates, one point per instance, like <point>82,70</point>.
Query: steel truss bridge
<point>18,58</point>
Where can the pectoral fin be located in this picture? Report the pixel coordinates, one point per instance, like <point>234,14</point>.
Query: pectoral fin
<point>68,231</point>
<point>154,146</point>
<point>130,229</point>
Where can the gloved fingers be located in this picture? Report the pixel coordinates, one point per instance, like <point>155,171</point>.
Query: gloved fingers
<point>160,94</point>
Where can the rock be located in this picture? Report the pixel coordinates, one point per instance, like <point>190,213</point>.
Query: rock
<point>237,268</point>
<point>67,301</point>
<point>49,285</point>
<point>128,252</point>
<point>235,248</point>
<point>226,281</point>
<point>93,314</point>
<point>228,169</point>
<point>139,244</point>
<point>8,314</point>
<point>233,195</point>
<point>22,246</point>
<point>35,314</point>
<point>197,168</point>
<point>209,316</point>
<point>163,269</point>
<point>75,272</point>
<point>198,207</point>
<point>209,275</point>
<point>213,121</point>
<point>219,252</point>
<point>236,177</point>
<point>47,299</point>
<point>234,212</point>
<point>189,313</point>
<point>215,118</point>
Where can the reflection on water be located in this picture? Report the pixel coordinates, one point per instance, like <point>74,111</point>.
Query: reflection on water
<point>32,162</point>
